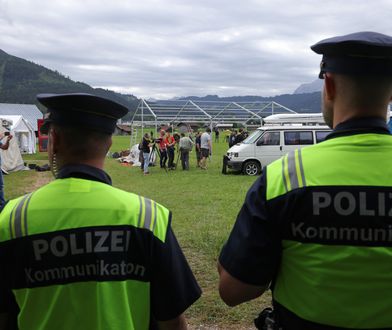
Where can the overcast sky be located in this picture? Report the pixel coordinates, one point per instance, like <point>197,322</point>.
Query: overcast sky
<point>171,48</point>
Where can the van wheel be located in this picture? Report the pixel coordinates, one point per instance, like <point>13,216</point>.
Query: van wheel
<point>251,167</point>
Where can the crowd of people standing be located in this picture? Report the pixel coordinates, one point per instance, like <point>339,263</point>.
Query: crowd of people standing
<point>167,144</point>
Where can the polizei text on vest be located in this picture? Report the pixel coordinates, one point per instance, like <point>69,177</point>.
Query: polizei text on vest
<point>94,241</point>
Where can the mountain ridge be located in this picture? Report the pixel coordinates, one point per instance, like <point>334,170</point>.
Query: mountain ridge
<point>314,86</point>
<point>21,80</point>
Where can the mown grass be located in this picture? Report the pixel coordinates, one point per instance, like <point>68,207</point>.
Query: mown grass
<point>204,206</point>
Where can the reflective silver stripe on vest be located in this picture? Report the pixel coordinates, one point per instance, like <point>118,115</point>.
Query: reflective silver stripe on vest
<point>292,170</point>
<point>155,217</point>
<point>20,220</point>
<point>301,167</point>
<point>148,213</point>
<point>12,216</point>
<point>24,215</point>
<point>139,222</point>
<point>283,175</point>
<point>150,218</point>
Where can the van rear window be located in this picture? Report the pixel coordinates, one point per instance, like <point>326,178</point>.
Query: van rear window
<point>298,137</point>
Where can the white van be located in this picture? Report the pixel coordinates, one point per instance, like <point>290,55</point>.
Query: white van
<point>268,143</point>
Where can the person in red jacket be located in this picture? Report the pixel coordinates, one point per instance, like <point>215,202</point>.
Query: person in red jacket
<point>162,148</point>
<point>170,143</point>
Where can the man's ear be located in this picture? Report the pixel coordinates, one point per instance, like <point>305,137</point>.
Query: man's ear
<point>329,86</point>
<point>55,139</point>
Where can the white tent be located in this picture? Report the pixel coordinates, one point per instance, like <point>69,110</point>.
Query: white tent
<point>11,159</point>
<point>23,133</point>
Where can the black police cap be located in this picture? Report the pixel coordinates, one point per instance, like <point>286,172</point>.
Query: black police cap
<point>81,110</point>
<point>361,53</point>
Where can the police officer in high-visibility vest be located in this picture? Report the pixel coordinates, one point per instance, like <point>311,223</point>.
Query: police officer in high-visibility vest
<point>317,225</point>
<point>80,254</point>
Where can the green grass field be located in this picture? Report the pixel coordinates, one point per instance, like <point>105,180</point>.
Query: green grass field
<point>204,206</point>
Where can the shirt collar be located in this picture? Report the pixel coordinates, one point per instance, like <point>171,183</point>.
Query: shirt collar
<point>360,126</point>
<point>82,171</point>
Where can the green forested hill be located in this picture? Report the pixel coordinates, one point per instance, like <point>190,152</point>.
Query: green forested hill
<point>21,81</point>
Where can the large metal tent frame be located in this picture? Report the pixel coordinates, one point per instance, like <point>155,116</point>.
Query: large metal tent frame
<point>171,112</point>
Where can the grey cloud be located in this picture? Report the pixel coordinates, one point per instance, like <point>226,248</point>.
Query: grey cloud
<point>182,47</point>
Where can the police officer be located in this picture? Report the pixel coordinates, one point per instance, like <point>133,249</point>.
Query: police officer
<point>80,254</point>
<point>318,222</point>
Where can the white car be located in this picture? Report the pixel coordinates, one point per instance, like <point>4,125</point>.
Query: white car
<point>268,143</point>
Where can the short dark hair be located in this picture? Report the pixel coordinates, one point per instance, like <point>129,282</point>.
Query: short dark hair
<point>368,92</point>
<point>84,143</point>
<point>208,130</point>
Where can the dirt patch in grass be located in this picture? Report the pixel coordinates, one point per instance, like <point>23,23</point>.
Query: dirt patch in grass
<point>40,179</point>
<point>24,182</point>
